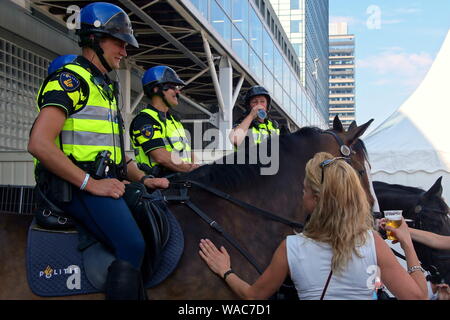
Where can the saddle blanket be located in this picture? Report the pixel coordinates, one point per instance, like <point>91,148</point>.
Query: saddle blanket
<point>55,266</point>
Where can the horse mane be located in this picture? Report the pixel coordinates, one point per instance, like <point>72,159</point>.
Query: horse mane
<point>360,146</point>
<point>228,175</point>
<point>407,189</point>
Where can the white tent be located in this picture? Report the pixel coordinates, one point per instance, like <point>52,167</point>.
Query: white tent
<point>412,146</point>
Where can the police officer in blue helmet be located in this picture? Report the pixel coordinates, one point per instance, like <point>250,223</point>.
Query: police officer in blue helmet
<point>157,135</point>
<point>255,123</point>
<point>77,141</point>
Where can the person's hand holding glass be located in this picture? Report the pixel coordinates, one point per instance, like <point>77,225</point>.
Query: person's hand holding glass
<point>396,228</point>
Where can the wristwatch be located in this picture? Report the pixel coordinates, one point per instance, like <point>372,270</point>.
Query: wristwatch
<point>415,268</point>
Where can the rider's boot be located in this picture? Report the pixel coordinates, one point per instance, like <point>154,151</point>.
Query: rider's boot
<point>124,282</point>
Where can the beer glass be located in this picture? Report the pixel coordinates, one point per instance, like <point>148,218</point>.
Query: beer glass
<point>394,220</point>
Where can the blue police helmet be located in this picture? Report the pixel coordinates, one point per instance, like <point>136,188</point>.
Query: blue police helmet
<point>256,91</point>
<point>159,75</point>
<point>60,62</point>
<point>106,18</point>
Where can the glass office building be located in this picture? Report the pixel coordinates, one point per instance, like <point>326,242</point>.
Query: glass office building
<point>254,33</point>
<point>306,24</point>
<point>342,74</point>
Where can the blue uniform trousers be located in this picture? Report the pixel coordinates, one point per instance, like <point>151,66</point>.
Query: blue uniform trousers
<point>111,222</point>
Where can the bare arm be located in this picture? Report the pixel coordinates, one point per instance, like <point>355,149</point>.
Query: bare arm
<point>171,160</point>
<point>266,285</point>
<point>430,239</point>
<point>238,133</point>
<point>135,174</point>
<point>41,145</point>
<point>403,285</point>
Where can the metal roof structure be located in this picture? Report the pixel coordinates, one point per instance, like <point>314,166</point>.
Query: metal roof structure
<point>173,33</point>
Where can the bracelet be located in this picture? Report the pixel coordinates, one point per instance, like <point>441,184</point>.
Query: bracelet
<point>226,274</point>
<point>415,268</point>
<point>129,161</point>
<point>145,177</point>
<point>85,181</point>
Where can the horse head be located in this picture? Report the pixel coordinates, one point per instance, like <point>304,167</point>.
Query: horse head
<point>354,148</point>
<point>431,212</point>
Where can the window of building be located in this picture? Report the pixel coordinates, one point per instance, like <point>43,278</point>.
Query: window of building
<point>295,4</point>
<point>202,6</point>
<point>262,8</point>
<point>21,74</point>
<point>220,22</point>
<point>267,50</point>
<point>239,45</point>
<point>255,32</point>
<point>295,26</point>
<point>278,65</point>
<point>240,16</point>
<point>226,6</point>
<point>256,65</point>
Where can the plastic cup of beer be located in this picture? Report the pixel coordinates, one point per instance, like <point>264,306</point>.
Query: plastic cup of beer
<point>394,220</point>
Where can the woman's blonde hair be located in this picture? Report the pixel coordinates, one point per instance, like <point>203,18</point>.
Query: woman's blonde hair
<point>342,216</point>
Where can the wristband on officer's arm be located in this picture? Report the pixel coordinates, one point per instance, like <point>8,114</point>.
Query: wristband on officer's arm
<point>85,181</point>
<point>145,177</point>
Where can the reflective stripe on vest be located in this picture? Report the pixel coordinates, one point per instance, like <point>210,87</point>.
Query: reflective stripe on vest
<point>173,135</point>
<point>263,131</point>
<point>94,127</point>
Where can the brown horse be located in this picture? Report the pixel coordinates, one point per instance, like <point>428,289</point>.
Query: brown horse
<point>280,193</point>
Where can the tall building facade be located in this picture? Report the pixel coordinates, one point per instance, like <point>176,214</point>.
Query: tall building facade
<point>306,24</point>
<point>260,39</point>
<point>342,74</point>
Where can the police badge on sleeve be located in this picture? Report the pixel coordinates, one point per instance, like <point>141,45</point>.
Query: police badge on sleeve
<point>68,81</point>
<point>147,131</point>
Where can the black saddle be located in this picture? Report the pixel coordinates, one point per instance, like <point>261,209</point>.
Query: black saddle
<point>149,211</point>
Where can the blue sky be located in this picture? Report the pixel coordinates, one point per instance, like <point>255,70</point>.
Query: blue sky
<point>396,43</point>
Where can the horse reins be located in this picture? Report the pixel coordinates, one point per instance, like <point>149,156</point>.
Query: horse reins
<point>185,199</point>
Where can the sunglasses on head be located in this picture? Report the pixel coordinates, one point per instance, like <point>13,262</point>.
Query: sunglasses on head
<point>327,162</point>
<point>168,86</point>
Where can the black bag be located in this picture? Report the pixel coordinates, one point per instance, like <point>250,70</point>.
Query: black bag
<point>149,211</point>
<point>50,192</point>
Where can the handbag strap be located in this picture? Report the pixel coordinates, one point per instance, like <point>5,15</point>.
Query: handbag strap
<point>326,285</point>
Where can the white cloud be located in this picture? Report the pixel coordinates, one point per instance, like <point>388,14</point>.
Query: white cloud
<point>408,10</point>
<point>397,67</point>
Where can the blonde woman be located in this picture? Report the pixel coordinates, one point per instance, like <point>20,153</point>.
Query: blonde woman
<point>337,252</point>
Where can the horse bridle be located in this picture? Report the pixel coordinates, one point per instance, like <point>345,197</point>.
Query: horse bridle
<point>345,150</point>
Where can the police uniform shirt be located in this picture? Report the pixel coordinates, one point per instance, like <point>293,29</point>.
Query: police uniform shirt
<point>255,123</point>
<point>150,131</point>
<point>68,91</point>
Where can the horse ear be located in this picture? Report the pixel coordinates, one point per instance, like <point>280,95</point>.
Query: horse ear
<point>352,125</point>
<point>436,189</point>
<point>337,124</point>
<point>354,133</point>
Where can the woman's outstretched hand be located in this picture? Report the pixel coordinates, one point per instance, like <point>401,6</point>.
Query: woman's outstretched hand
<point>218,261</point>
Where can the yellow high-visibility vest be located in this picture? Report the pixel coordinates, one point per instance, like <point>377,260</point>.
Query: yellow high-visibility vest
<point>92,128</point>
<point>172,133</point>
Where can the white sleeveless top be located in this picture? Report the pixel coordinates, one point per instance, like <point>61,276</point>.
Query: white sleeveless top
<point>310,263</point>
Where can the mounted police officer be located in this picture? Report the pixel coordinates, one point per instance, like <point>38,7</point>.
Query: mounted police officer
<point>257,102</point>
<point>77,141</point>
<point>157,135</point>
